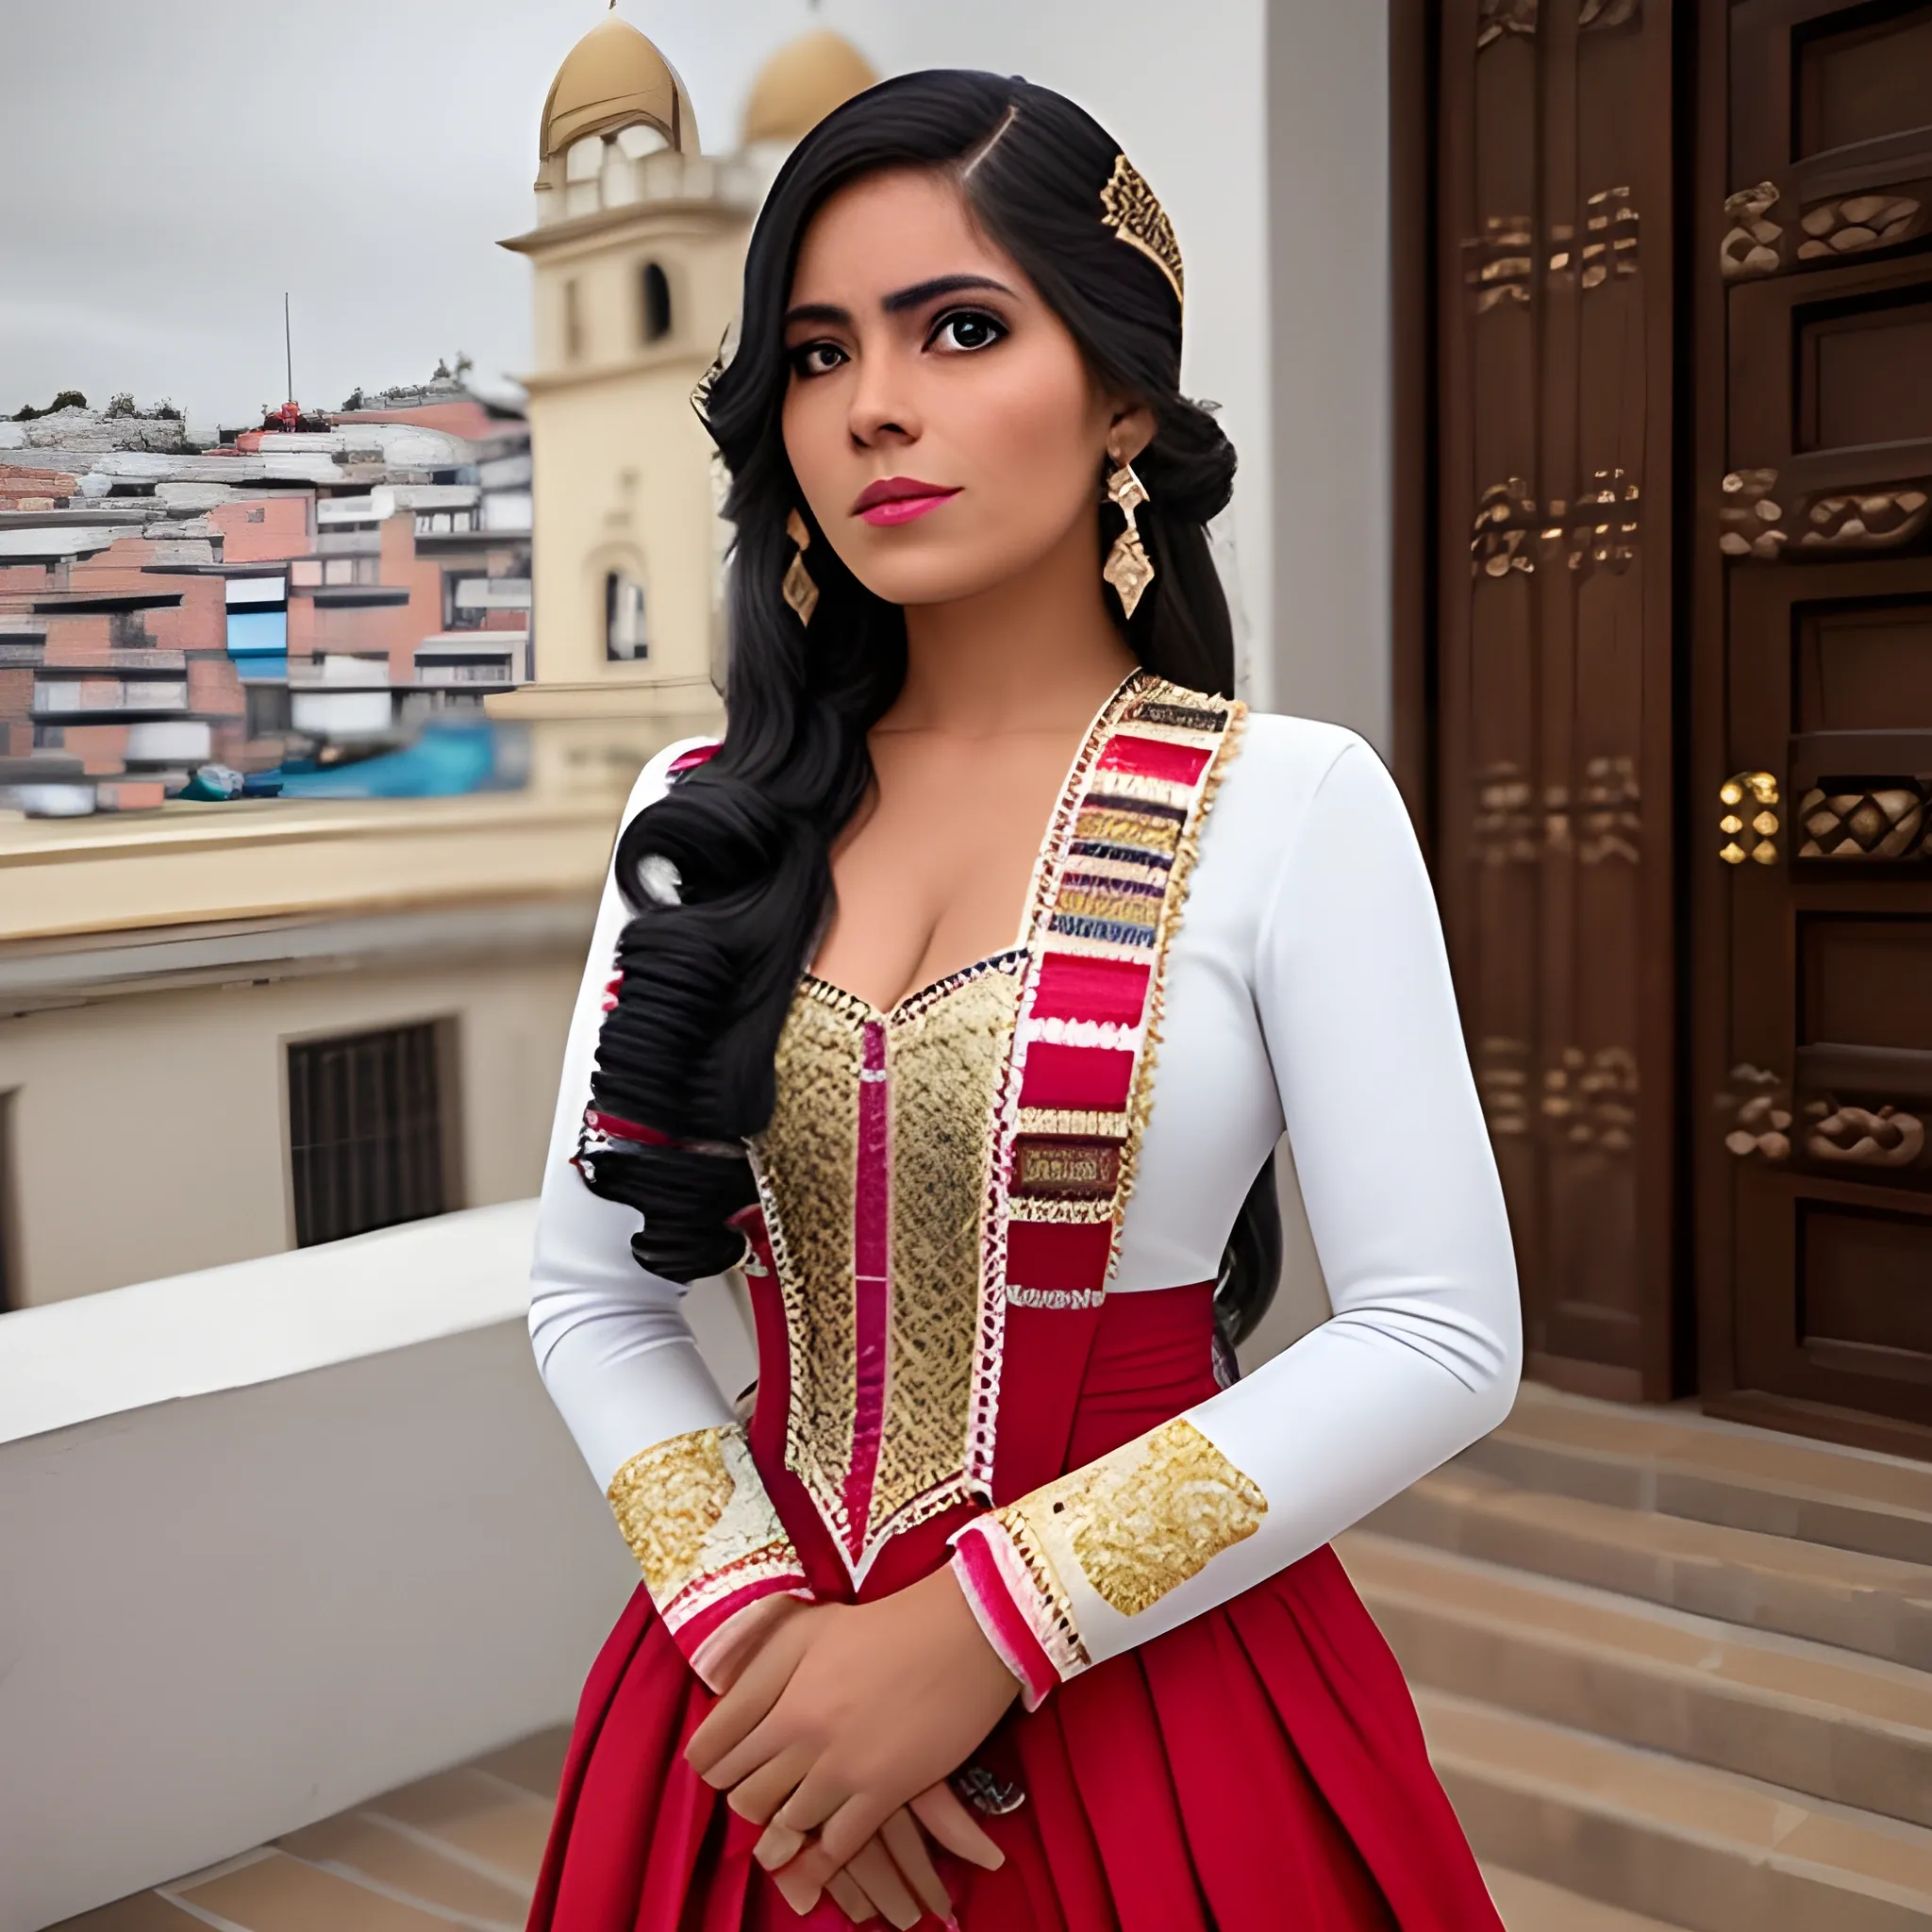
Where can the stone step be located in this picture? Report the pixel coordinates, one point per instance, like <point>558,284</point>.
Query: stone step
<point>1836,1724</point>
<point>1682,1843</point>
<point>1531,1905</point>
<point>1872,1604</point>
<point>1679,1463</point>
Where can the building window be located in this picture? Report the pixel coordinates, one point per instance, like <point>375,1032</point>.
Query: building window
<point>258,617</point>
<point>268,709</point>
<point>625,639</point>
<point>572,322</point>
<point>369,1144</point>
<point>656,303</point>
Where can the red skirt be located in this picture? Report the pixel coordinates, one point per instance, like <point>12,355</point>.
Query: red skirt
<point>1259,1767</point>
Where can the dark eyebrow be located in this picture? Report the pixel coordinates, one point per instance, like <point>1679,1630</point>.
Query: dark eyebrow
<point>920,292</point>
<point>897,302</point>
<point>828,312</point>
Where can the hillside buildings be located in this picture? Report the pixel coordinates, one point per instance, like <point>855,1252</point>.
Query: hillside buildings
<point>163,606</point>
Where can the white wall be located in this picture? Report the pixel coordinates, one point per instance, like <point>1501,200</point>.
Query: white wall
<point>277,1536</point>
<point>1329,329</point>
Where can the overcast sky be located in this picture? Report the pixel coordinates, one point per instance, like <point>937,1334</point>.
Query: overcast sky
<point>169,167</point>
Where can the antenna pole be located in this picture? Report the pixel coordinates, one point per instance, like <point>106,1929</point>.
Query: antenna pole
<point>288,348</point>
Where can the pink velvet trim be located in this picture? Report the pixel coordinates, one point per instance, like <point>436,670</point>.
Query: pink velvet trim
<point>692,1632</point>
<point>1005,1624</point>
<point>872,1284</point>
<point>1151,758</point>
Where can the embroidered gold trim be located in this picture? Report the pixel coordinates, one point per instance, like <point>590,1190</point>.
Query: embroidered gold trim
<point>1067,1120</point>
<point>1147,789</point>
<point>945,1058</point>
<point>1141,1102</point>
<point>1052,855</point>
<point>1133,211</point>
<point>1055,1297</point>
<point>1044,1208</point>
<point>1142,1521</point>
<point>692,1507</point>
<point>1145,1523</point>
<point>1123,871</point>
<point>807,1161</point>
<point>1107,826</point>
<point>1053,1609</point>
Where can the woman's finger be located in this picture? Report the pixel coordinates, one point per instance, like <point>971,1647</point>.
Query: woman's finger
<point>852,1824</point>
<point>818,1794</point>
<point>759,1793</point>
<point>799,1890</point>
<point>903,1838</point>
<point>746,1704</point>
<point>850,1899</point>
<point>944,1813</point>
<point>778,1846</point>
<point>880,1877</point>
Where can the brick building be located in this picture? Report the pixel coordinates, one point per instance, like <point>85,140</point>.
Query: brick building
<point>287,591</point>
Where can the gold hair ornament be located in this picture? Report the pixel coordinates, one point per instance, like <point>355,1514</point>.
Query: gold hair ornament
<point>1131,211</point>
<point>799,590</point>
<point>1128,568</point>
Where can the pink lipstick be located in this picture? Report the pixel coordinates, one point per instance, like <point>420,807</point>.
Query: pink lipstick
<point>899,499</point>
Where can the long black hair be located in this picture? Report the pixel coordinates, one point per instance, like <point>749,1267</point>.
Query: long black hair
<point>708,970</point>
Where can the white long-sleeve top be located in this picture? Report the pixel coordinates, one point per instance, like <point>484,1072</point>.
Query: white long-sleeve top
<point>1306,990</point>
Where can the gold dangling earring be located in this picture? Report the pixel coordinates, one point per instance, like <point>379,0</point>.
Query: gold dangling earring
<point>1128,568</point>
<point>799,590</point>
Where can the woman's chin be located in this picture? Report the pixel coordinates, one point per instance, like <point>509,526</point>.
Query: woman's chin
<point>934,579</point>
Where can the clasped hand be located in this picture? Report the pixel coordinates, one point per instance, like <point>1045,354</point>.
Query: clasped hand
<point>840,1731</point>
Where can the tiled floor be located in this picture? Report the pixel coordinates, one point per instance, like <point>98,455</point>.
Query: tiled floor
<point>461,1849</point>
<point>458,1849</point>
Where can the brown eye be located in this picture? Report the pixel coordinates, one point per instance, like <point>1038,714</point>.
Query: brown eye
<point>963,330</point>
<point>817,359</point>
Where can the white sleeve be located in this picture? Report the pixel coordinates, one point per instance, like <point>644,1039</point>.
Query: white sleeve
<point>611,1342</point>
<point>623,1366</point>
<point>1421,1355</point>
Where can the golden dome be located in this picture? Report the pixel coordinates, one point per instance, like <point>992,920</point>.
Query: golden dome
<point>611,77</point>
<point>801,83</point>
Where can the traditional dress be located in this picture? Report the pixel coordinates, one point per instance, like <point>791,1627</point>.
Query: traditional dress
<point>982,1272</point>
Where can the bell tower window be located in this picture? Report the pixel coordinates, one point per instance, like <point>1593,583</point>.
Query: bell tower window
<point>626,640</point>
<point>657,296</point>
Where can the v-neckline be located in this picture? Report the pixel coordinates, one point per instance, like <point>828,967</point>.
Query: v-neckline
<point>1065,802</point>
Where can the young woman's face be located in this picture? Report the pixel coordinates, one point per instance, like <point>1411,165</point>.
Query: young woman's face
<point>940,420</point>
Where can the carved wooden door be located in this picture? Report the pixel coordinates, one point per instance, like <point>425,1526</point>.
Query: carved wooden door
<point>1552,621</point>
<point>1812,786</point>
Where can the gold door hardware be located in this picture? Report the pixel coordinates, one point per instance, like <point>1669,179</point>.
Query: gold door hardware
<point>1738,794</point>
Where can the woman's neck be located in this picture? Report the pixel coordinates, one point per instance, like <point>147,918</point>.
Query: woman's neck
<point>1036,651</point>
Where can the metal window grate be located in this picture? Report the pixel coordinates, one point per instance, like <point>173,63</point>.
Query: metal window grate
<point>366,1140</point>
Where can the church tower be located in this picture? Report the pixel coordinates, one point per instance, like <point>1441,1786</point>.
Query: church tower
<point>639,255</point>
<point>638,251</point>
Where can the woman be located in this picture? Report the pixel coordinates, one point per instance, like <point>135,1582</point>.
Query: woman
<point>1009,1602</point>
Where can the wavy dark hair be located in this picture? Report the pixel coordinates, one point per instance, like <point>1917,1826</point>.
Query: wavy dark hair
<point>707,977</point>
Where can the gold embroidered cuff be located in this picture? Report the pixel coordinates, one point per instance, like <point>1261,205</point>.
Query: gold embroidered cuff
<point>1126,1530</point>
<point>698,1520</point>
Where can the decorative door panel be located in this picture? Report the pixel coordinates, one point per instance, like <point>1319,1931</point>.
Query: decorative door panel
<point>1813,858</point>
<point>1554,754</point>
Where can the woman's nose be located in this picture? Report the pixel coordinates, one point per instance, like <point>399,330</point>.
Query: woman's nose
<point>883,410</point>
